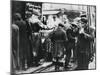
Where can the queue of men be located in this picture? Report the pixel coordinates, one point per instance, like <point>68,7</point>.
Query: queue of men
<point>65,38</point>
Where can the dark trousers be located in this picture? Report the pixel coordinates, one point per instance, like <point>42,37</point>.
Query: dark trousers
<point>83,61</point>
<point>29,57</point>
<point>69,46</point>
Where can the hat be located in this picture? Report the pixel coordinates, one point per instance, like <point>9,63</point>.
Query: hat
<point>61,25</point>
<point>74,24</point>
<point>83,15</point>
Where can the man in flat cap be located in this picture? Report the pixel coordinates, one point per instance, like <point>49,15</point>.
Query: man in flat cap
<point>70,44</point>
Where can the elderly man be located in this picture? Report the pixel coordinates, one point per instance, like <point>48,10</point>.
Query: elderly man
<point>83,45</point>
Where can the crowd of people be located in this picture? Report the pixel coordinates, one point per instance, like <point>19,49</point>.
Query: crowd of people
<point>66,39</point>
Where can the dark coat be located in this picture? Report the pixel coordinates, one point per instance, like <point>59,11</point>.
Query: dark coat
<point>58,38</point>
<point>84,41</point>
<point>25,52</point>
<point>22,37</point>
<point>58,34</point>
<point>15,37</point>
<point>15,46</point>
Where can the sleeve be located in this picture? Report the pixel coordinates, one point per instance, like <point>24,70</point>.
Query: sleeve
<point>69,34</point>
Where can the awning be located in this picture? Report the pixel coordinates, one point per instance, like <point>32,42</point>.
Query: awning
<point>49,12</point>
